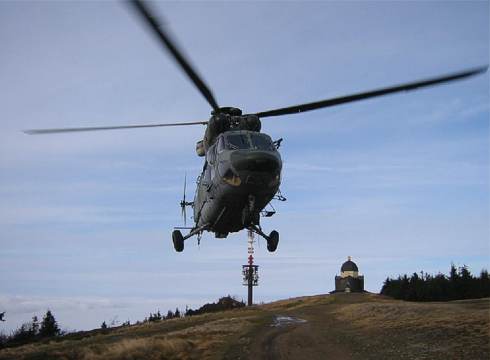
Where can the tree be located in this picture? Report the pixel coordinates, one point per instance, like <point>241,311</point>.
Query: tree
<point>3,339</point>
<point>466,283</point>
<point>49,326</point>
<point>34,326</point>
<point>155,317</point>
<point>453,282</point>
<point>484,286</point>
<point>224,303</point>
<point>22,334</point>
<point>460,284</point>
<point>103,326</point>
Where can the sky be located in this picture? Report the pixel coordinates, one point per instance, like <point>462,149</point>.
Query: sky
<point>400,183</point>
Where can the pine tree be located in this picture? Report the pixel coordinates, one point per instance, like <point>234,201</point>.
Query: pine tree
<point>170,315</point>
<point>49,326</point>
<point>466,280</point>
<point>460,284</point>
<point>103,326</point>
<point>22,334</point>
<point>34,326</point>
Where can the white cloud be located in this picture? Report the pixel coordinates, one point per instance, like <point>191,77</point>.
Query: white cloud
<point>12,215</point>
<point>84,313</point>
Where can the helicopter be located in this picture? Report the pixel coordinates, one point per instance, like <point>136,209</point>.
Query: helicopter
<point>242,166</point>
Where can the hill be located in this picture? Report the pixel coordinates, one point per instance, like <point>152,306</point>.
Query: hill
<point>337,326</point>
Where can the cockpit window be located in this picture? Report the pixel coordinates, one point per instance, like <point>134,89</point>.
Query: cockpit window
<point>261,142</point>
<point>238,141</point>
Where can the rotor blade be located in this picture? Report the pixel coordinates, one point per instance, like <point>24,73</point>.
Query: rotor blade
<point>143,9</point>
<point>183,214</point>
<point>185,217</point>
<point>185,183</point>
<point>369,94</point>
<point>97,128</point>
<point>183,203</point>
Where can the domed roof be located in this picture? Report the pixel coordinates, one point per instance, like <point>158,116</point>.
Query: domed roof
<point>349,266</point>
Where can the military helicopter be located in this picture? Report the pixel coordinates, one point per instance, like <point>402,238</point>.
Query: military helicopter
<point>242,166</point>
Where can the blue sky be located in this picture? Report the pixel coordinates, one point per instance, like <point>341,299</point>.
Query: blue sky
<point>400,183</point>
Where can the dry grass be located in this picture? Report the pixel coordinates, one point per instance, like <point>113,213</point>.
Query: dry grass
<point>298,303</point>
<point>199,337</point>
<point>369,325</point>
<point>140,348</point>
<point>395,314</point>
<point>456,328</point>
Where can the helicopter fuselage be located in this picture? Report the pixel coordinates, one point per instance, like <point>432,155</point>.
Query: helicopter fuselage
<point>241,175</point>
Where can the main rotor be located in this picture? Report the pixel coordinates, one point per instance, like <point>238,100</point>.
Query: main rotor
<point>144,12</point>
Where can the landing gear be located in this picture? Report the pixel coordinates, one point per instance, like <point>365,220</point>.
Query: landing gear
<point>272,241</point>
<point>178,240</point>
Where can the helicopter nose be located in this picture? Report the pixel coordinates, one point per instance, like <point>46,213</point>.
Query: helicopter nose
<point>257,161</point>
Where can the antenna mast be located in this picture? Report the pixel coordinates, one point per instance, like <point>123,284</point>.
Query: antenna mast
<point>250,272</point>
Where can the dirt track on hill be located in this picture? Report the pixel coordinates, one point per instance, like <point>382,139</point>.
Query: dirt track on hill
<point>364,326</point>
<point>313,332</point>
<point>340,327</point>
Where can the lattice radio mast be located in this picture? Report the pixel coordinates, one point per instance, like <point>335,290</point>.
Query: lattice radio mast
<point>250,272</point>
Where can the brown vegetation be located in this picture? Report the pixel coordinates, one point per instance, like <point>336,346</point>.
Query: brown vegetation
<point>340,326</point>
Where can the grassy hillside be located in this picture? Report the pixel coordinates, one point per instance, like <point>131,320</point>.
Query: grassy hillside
<point>339,326</point>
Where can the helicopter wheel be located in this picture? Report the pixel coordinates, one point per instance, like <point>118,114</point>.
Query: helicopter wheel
<point>272,241</point>
<point>178,240</point>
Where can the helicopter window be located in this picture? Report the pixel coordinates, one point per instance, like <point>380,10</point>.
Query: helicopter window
<point>207,174</point>
<point>261,142</point>
<point>211,154</point>
<point>238,142</point>
<point>221,144</point>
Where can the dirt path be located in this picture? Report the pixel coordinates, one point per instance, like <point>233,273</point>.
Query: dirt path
<point>362,326</point>
<point>309,332</point>
<point>302,341</point>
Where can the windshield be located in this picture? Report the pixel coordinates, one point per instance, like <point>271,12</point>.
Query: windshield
<point>261,142</point>
<point>238,141</point>
<point>249,141</point>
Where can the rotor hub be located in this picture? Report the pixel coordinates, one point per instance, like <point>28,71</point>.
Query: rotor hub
<point>229,110</point>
